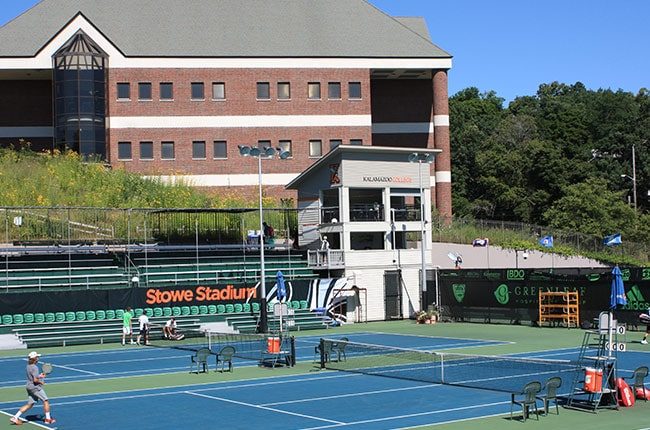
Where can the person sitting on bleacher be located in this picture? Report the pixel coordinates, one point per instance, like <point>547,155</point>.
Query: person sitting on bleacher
<point>169,330</point>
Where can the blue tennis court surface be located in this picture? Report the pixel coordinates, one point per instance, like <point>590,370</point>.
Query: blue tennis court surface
<point>315,400</point>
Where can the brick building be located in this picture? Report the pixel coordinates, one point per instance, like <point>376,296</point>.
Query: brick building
<point>171,87</point>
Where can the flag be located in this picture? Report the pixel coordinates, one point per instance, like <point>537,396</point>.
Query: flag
<point>546,241</point>
<point>612,239</point>
<point>480,242</point>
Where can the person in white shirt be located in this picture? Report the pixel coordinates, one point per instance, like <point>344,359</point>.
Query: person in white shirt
<point>170,328</point>
<point>144,329</point>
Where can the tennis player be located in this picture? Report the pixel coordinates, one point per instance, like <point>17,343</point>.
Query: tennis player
<point>143,320</point>
<point>35,391</point>
<point>126,325</point>
<point>170,328</point>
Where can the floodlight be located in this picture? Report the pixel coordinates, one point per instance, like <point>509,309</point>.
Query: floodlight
<point>244,150</point>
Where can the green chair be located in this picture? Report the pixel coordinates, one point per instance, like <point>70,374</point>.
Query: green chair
<point>551,394</point>
<point>110,314</point>
<point>70,316</point>
<point>247,307</point>
<point>230,308</point>
<point>7,319</point>
<point>80,316</point>
<point>157,312</point>
<point>194,310</point>
<point>221,309</point>
<point>224,356</point>
<point>167,311</point>
<point>101,315</point>
<point>91,316</point>
<point>28,318</point>
<point>176,311</point>
<point>200,360</point>
<point>529,400</point>
<point>39,318</point>
<point>185,310</point>
<point>269,307</point>
<point>18,319</point>
<point>138,312</point>
<point>203,310</point>
<point>59,316</point>
<point>304,304</point>
<point>212,309</point>
<point>50,317</point>
<point>148,312</point>
<point>256,307</point>
<point>239,308</point>
<point>295,304</point>
<point>119,313</point>
<point>638,380</point>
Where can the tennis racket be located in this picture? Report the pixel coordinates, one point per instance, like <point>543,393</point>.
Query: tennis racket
<point>46,368</point>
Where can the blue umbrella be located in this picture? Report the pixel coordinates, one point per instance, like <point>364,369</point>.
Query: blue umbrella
<point>617,295</point>
<point>282,289</point>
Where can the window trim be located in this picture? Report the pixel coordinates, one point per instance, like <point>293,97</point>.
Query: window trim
<point>214,144</point>
<point>201,99</point>
<point>130,151</point>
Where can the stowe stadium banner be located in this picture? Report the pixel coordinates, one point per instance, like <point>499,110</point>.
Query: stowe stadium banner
<point>321,294</point>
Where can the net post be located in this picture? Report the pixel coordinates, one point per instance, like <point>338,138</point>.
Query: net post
<point>293,351</point>
<point>321,348</point>
<point>442,367</point>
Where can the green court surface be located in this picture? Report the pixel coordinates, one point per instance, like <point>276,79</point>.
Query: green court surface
<point>511,340</point>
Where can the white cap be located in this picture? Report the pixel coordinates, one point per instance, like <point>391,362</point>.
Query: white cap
<point>33,355</point>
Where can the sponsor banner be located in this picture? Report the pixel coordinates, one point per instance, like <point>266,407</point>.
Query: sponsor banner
<point>513,293</point>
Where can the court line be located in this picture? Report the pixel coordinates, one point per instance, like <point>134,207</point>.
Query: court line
<point>339,396</point>
<point>443,337</point>
<point>30,422</point>
<point>419,414</point>
<point>76,370</point>
<point>265,408</point>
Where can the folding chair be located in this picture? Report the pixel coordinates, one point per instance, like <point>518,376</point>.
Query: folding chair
<point>339,347</point>
<point>225,356</point>
<point>200,359</point>
<point>327,352</point>
<point>638,378</point>
<point>529,400</point>
<point>551,393</point>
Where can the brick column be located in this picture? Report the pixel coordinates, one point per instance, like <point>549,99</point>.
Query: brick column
<point>441,141</point>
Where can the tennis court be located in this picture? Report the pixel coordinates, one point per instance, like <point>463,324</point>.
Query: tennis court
<point>151,388</point>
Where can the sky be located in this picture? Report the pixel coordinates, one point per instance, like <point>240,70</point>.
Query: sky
<point>513,46</point>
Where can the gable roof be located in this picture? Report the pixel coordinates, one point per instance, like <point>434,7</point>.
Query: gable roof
<point>227,28</point>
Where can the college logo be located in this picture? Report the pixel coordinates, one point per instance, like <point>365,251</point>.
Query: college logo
<point>459,292</point>
<point>502,294</point>
<point>635,300</point>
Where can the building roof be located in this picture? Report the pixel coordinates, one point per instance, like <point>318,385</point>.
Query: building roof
<point>227,28</point>
<point>402,152</point>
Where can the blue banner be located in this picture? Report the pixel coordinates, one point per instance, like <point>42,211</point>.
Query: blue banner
<point>612,240</point>
<point>546,241</point>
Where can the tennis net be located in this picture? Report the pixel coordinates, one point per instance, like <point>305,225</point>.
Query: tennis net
<point>499,373</point>
<point>247,346</point>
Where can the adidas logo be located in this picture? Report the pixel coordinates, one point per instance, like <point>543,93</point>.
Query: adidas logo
<point>635,300</point>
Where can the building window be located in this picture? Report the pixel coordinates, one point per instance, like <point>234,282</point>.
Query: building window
<point>284,91</point>
<point>198,150</point>
<point>261,144</point>
<point>166,91</point>
<point>146,150</point>
<point>313,89</point>
<point>263,91</point>
<point>357,142</point>
<point>334,90</point>
<point>334,143</point>
<point>167,150</point>
<point>218,91</point>
<point>123,90</point>
<point>354,90</point>
<point>315,148</point>
<point>220,149</point>
<point>198,91</point>
<point>123,150</point>
<point>144,91</point>
<point>285,146</point>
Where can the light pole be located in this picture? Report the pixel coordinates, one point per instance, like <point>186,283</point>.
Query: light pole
<point>633,177</point>
<point>267,153</point>
<point>422,158</point>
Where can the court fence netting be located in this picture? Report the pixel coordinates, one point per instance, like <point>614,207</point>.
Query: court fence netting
<point>497,373</point>
<point>248,346</point>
